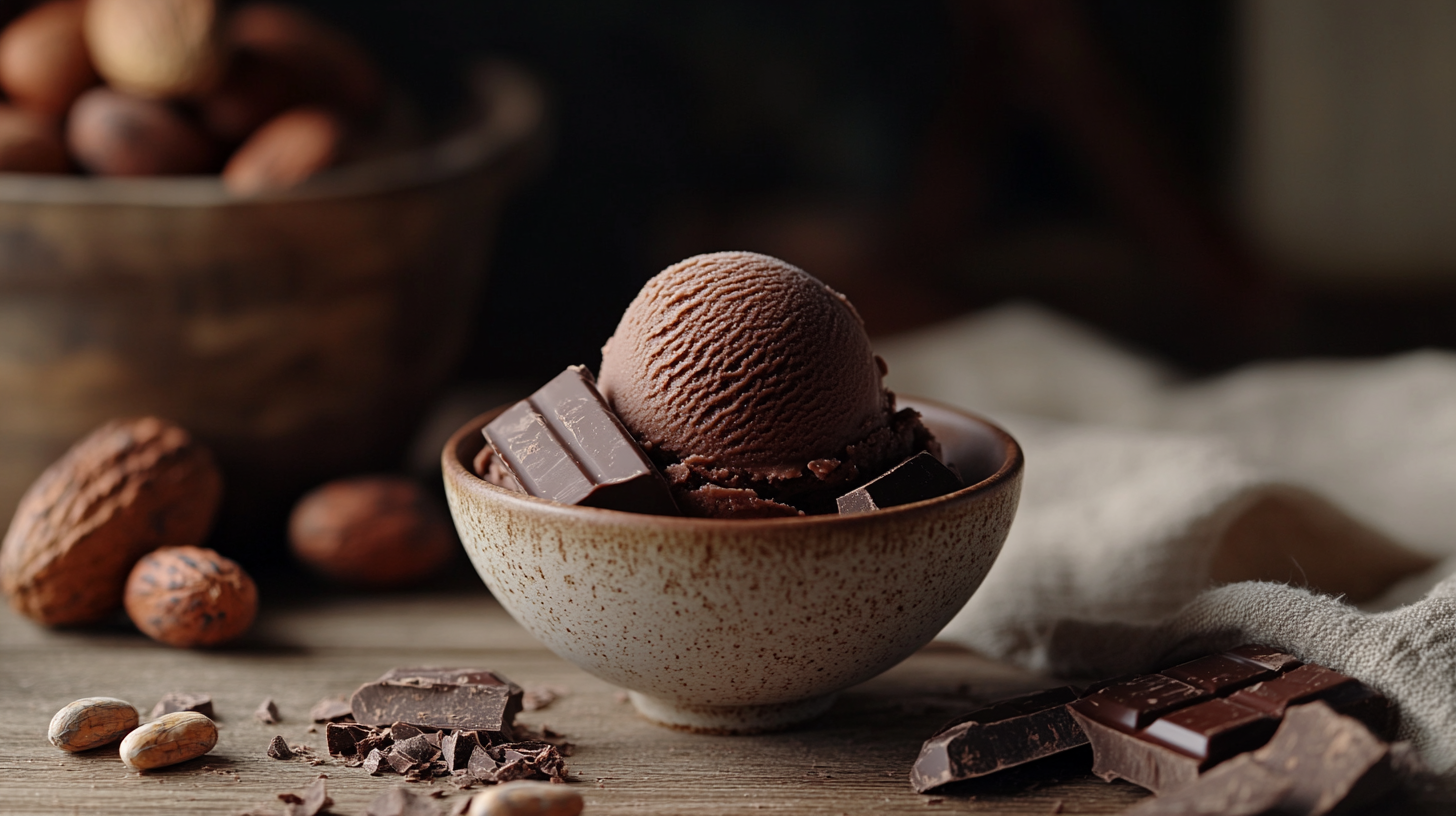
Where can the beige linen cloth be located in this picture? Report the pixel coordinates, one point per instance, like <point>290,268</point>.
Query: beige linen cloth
<point>1305,505</point>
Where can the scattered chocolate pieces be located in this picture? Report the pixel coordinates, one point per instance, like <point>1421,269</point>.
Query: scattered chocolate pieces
<point>330,709</point>
<point>267,712</point>
<point>918,478</point>
<point>468,699</point>
<point>343,738</point>
<point>1161,731</point>
<point>401,802</point>
<point>278,748</point>
<point>565,444</point>
<point>174,701</point>
<point>1318,761</point>
<point>1002,735</point>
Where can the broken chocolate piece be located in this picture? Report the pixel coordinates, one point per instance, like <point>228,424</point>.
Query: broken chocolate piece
<point>456,749</point>
<point>343,738</point>
<point>539,697</point>
<point>1317,761</point>
<point>314,799</point>
<point>278,748</point>
<point>267,712</point>
<point>401,802</point>
<point>1265,656</point>
<point>563,443</point>
<point>1003,735</point>
<point>402,731</point>
<point>469,699</point>
<point>482,766</point>
<point>527,760</point>
<point>918,478</point>
<point>330,709</point>
<point>377,762</point>
<point>1162,731</point>
<point>174,701</point>
<point>416,749</point>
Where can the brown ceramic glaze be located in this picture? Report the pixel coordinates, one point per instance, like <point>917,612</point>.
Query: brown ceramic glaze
<point>740,626</point>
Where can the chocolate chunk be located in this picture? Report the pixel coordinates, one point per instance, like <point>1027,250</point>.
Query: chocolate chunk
<point>1161,732</point>
<point>918,478</point>
<point>343,738</point>
<point>278,748</point>
<point>1003,735</point>
<point>403,731</point>
<point>470,699</point>
<point>416,749</point>
<point>267,712</point>
<point>456,749</point>
<point>1318,761</point>
<point>527,760</point>
<point>563,443</point>
<point>482,766</point>
<point>377,762</point>
<point>174,701</point>
<point>330,709</point>
<point>401,802</point>
<point>1137,702</point>
<point>314,799</point>
<point>399,763</point>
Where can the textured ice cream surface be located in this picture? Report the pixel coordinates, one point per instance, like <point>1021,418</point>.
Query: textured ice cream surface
<point>754,387</point>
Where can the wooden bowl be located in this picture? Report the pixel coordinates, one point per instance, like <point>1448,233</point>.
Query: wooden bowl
<point>740,626</point>
<point>300,334</point>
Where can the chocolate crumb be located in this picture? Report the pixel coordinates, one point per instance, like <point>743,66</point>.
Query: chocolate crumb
<point>267,712</point>
<point>174,701</point>
<point>278,748</point>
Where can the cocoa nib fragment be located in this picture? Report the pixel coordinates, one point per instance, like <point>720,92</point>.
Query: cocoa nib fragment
<point>278,748</point>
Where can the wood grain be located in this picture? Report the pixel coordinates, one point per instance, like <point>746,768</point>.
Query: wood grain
<point>855,760</point>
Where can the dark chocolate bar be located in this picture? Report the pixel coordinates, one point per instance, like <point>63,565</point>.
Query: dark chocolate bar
<point>918,478</point>
<point>1317,761</point>
<point>468,699</point>
<point>563,443</point>
<point>1163,730</point>
<point>1000,736</point>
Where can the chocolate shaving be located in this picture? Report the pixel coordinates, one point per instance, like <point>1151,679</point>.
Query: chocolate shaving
<point>315,798</point>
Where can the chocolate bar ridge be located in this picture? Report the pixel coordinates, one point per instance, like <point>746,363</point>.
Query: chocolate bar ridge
<point>564,443</point>
<point>1000,736</point>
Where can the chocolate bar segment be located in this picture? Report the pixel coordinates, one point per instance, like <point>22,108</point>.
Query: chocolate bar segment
<point>467,699</point>
<point>1154,732</point>
<point>918,478</point>
<point>563,443</point>
<point>1139,701</point>
<point>1003,735</point>
<point>1265,656</point>
<point>1318,761</point>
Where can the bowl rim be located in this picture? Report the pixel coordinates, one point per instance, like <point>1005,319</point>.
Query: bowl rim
<point>456,472</point>
<point>507,108</point>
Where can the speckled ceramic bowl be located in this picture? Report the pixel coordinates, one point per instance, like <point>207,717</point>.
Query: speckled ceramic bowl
<point>739,626</point>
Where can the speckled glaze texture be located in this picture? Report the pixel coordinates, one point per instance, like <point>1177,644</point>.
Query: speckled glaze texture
<point>737,626</point>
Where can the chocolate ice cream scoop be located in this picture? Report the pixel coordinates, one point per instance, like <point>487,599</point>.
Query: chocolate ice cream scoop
<point>754,386</point>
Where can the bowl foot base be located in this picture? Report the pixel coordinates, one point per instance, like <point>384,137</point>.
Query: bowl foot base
<point>744,719</point>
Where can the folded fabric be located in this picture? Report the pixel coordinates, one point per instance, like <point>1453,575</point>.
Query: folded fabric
<point>1161,518</point>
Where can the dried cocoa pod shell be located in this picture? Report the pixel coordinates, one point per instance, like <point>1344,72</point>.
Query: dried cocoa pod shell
<point>129,487</point>
<point>91,722</point>
<point>168,740</point>
<point>190,596</point>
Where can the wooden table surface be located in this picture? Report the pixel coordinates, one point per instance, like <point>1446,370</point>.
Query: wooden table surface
<point>855,760</point>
